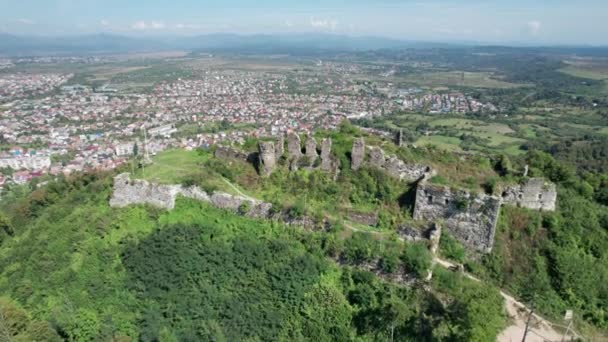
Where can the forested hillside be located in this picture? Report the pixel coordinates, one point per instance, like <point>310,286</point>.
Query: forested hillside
<point>74,269</point>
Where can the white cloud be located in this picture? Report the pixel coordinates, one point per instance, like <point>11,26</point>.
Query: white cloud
<point>26,21</point>
<point>323,23</point>
<point>143,25</point>
<point>182,26</point>
<point>288,23</point>
<point>534,27</point>
<point>104,23</point>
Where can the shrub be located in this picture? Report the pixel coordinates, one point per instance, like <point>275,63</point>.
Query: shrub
<point>417,259</point>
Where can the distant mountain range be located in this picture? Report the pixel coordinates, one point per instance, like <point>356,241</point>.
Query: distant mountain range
<point>110,43</point>
<point>14,45</point>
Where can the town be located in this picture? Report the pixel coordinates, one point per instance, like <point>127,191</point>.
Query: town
<point>54,126</point>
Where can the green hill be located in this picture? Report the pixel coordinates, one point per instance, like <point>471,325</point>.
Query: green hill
<point>73,268</point>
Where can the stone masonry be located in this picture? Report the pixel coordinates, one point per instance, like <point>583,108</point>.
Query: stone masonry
<point>357,154</point>
<point>532,193</point>
<point>311,150</point>
<point>326,157</point>
<point>128,192</point>
<point>267,158</point>
<point>280,147</point>
<point>470,218</point>
<point>294,150</point>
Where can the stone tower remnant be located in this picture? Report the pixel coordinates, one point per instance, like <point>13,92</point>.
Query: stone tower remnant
<point>326,160</point>
<point>357,154</point>
<point>311,150</point>
<point>280,147</point>
<point>294,150</point>
<point>470,218</point>
<point>267,158</point>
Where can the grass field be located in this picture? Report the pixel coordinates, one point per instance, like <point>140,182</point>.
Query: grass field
<point>172,166</point>
<point>594,70</point>
<point>474,125</point>
<point>457,78</point>
<point>443,142</point>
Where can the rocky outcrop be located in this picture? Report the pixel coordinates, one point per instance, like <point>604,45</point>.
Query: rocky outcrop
<point>532,193</point>
<point>129,192</point>
<point>311,150</point>
<point>470,218</point>
<point>357,156</point>
<point>267,158</point>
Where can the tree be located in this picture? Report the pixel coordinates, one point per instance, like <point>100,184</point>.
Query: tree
<point>504,166</point>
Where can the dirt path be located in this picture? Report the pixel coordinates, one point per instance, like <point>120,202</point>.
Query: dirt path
<point>238,191</point>
<point>540,330</point>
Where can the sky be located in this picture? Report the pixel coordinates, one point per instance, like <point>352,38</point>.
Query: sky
<point>490,21</point>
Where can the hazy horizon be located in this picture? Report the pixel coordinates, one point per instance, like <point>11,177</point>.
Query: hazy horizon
<point>496,22</point>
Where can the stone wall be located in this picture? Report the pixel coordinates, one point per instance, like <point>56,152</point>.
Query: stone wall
<point>128,192</point>
<point>470,218</point>
<point>532,193</point>
<point>226,152</point>
<point>294,150</point>
<point>395,167</point>
<point>367,219</point>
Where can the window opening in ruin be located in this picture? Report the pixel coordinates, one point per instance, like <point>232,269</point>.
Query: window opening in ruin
<point>447,201</point>
<point>430,198</point>
<point>540,196</point>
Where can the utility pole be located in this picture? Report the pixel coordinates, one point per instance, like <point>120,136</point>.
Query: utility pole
<point>528,323</point>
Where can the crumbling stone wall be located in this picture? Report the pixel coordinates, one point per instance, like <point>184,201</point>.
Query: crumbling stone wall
<point>357,156</point>
<point>368,219</point>
<point>395,167</point>
<point>267,158</point>
<point>532,193</point>
<point>226,152</point>
<point>470,218</point>
<point>128,192</point>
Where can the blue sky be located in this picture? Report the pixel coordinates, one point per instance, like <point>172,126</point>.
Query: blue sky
<point>515,21</point>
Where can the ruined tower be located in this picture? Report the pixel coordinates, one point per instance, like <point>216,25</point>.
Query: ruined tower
<point>267,161</point>
<point>294,150</point>
<point>326,162</point>
<point>358,154</point>
<point>311,150</point>
<point>280,147</point>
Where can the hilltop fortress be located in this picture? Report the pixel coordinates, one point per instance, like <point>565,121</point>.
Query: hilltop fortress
<point>470,217</point>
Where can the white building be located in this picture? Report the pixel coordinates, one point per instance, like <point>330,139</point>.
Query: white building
<point>26,162</point>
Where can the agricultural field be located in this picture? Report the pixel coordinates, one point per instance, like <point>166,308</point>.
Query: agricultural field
<point>458,79</point>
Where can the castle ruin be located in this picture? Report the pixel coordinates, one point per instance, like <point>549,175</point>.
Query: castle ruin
<point>532,193</point>
<point>470,218</point>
